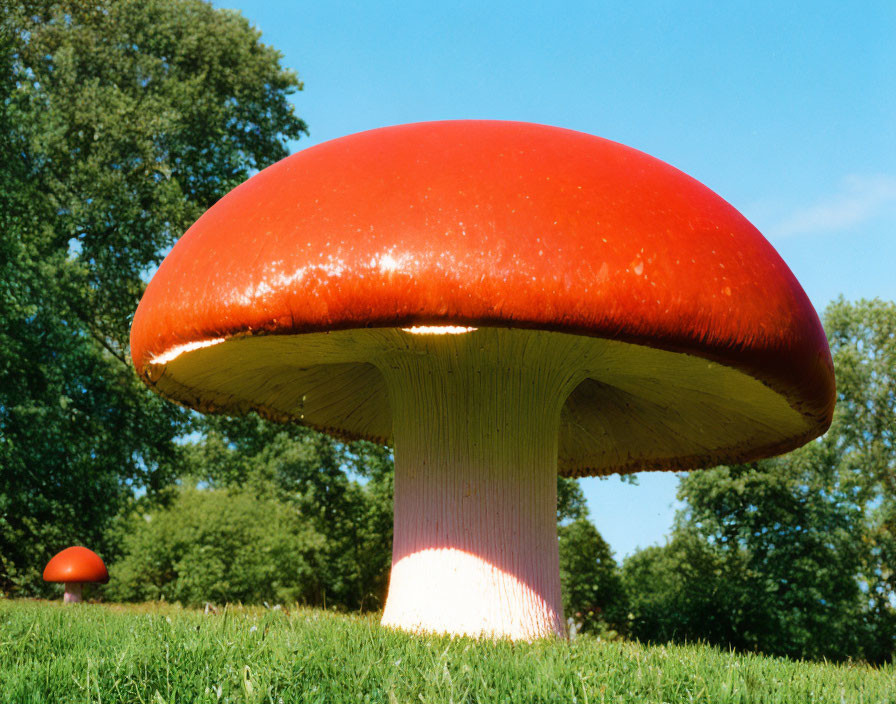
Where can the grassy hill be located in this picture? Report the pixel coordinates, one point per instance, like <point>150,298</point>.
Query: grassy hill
<point>160,654</point>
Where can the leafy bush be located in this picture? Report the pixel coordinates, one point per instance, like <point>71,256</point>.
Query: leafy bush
<point>763,558</point>
<point>678,592</point>
<point>218,545</point>
<point>590,579</point>
<point>309,472</point>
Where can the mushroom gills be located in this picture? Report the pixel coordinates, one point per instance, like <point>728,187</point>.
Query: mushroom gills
<point>636,408</point>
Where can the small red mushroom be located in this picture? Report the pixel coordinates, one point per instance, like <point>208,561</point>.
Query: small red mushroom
<point>75,566</point>
<point>502,302</point>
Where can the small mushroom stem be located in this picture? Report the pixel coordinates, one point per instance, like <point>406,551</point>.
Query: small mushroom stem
<point>72,592</point>
<point>475,543</point>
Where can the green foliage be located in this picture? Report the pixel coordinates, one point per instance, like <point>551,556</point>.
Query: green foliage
<point>794,555</point>
<point>219,546</point>
<point>761,560</point>
<point>861,444</point>
<point>790,530</point>
<point>309,472</point>
<point>120,122</point>
<point>677,592</point>
<point>571,504</point>
<point>590,579</point>
<point>158,654</point>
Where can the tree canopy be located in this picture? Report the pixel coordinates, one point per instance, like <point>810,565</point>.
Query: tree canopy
<point>121,122</point>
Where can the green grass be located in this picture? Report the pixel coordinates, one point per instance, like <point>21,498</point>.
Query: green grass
<point>158,654</point>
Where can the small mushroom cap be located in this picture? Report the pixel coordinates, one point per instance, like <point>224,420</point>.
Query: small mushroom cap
<point>708,349</point>
<point>76,564</point>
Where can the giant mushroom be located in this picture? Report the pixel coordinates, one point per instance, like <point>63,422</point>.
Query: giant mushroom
<point>501,301</point>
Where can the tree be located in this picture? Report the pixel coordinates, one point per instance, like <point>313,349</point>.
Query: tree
<point>787,536</point>
<point>590,579</point>
<point>121,122</point>
<point>317,478</point>
<point>862,445</point>
<point>677,592</point>
<point>571,504</point>
<point>220,546</point>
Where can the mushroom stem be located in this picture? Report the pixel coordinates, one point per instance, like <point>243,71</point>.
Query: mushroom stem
<point>475,542</point>
<point>72,592</point>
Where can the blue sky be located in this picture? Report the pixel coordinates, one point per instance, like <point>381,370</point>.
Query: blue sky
<point>787,110</point>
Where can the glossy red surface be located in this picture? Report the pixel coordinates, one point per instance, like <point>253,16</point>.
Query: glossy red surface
<point>490,223</point>
<point>76,564</point>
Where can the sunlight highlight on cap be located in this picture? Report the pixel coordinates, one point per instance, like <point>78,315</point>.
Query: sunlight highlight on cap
<point>437,330</point>
<point>176,352</point>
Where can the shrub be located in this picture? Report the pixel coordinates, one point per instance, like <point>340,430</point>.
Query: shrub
<point>590,579</point>
<point>218,545</point>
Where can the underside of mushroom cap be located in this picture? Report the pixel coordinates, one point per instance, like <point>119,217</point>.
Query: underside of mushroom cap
<point>698,344</point>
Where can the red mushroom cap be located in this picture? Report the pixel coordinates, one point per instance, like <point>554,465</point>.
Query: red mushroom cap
<point>76,564</point>
<point>494,224</point>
